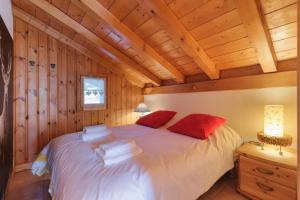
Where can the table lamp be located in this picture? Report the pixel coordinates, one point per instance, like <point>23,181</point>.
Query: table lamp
<point>142,109</point>
<point>273,128</point>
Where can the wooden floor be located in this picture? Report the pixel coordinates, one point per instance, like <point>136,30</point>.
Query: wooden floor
<point>25,186</point>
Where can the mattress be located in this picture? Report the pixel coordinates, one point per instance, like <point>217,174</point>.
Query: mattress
<point>171,167</point>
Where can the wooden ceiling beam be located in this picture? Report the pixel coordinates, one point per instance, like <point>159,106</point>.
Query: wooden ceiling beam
<point>131,37</point>
<point>103,45</point>
<point>163,16</point>
<point>278,79</point>
<point>114,67</point>
<point>251,16</point>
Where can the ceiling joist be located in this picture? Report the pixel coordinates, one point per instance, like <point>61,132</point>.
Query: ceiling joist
<point>103,45</point>
<point>68,41</point>
<point>160,12</point>
<point>258,34</point>
<point>127,34</point>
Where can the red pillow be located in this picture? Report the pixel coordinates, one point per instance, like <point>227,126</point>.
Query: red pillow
<point>156,119</point>
<point>197,125</point>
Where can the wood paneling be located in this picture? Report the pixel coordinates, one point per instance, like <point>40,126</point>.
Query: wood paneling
<point>258,34</point>
<point>284,55</point>
<point>122,8</point>
<point>208,11</point>
<point>47,92</point>
<point>166,18</point>
<point>298,108</point>
<point>62,90</point>
<point>81,46</point>
<point>32,95</point>
<point>106,47</point>
<point>229,35</point>
<point>238,63</point>
<point>283,32</point>
<point>137,42</point>
<point>175,29</point>
<point>273,5</point>
<point>217,25</point>
<point>230,47</point>
<point>279,79</point>
<point>182,8</point>
<point>238,55</point>
<point>43,89</point>
<point>52,82</point>
<point>285,44</point>
<point>136,18</point>
<point>20,41</point>
<point>281,17</point>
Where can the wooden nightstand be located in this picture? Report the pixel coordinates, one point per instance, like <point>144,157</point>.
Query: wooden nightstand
<point>264,174</point>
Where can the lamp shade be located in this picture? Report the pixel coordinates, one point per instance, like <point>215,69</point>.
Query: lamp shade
<point>273,123</point>
<point>141,108</point>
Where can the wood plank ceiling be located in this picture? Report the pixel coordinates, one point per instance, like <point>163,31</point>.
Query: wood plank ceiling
<point>191,38</point>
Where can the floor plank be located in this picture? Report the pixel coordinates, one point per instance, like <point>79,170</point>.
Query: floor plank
<point>25,186</point>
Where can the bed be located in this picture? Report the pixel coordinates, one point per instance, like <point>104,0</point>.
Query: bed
<point>172,166</point>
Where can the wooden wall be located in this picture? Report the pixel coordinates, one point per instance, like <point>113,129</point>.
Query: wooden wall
<point>47,92</point>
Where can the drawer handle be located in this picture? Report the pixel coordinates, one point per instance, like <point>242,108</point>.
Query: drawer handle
<point>264,171</point>
<point>264,187</point>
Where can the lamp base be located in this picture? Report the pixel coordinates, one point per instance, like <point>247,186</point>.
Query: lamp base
<point>280,152</point>
<point>262,146</point>
<point>277,141</point>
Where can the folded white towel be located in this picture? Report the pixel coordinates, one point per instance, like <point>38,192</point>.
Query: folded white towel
<point>110,160</point>
<point>96,128</point>
<point>116,148</point>
<point>95,135</point>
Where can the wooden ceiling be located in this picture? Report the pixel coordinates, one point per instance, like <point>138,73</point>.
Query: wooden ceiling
<point>158,40</point>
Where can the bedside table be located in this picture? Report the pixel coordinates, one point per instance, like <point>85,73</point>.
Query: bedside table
<point>264,174</point>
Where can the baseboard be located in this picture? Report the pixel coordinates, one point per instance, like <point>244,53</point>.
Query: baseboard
<point>23,167</point>
<point>18,168</point>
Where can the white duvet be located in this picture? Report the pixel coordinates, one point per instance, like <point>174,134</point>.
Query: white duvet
<point>171,167</point>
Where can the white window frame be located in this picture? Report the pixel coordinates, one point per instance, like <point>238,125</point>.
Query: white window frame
<point>101,106</point>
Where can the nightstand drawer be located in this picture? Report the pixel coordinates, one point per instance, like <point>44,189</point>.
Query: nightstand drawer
<point>274,173</point>
<point>264,189</point>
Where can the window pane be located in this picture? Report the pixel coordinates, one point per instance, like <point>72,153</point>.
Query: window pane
<point>94,91</point>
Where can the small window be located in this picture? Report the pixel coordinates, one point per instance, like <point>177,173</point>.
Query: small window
<point>94,93</point>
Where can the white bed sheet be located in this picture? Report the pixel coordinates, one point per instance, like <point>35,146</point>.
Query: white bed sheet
<point>171,167</point>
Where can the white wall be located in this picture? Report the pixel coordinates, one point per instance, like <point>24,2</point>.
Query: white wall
<point>6,14</point>
<point>244,109</point>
